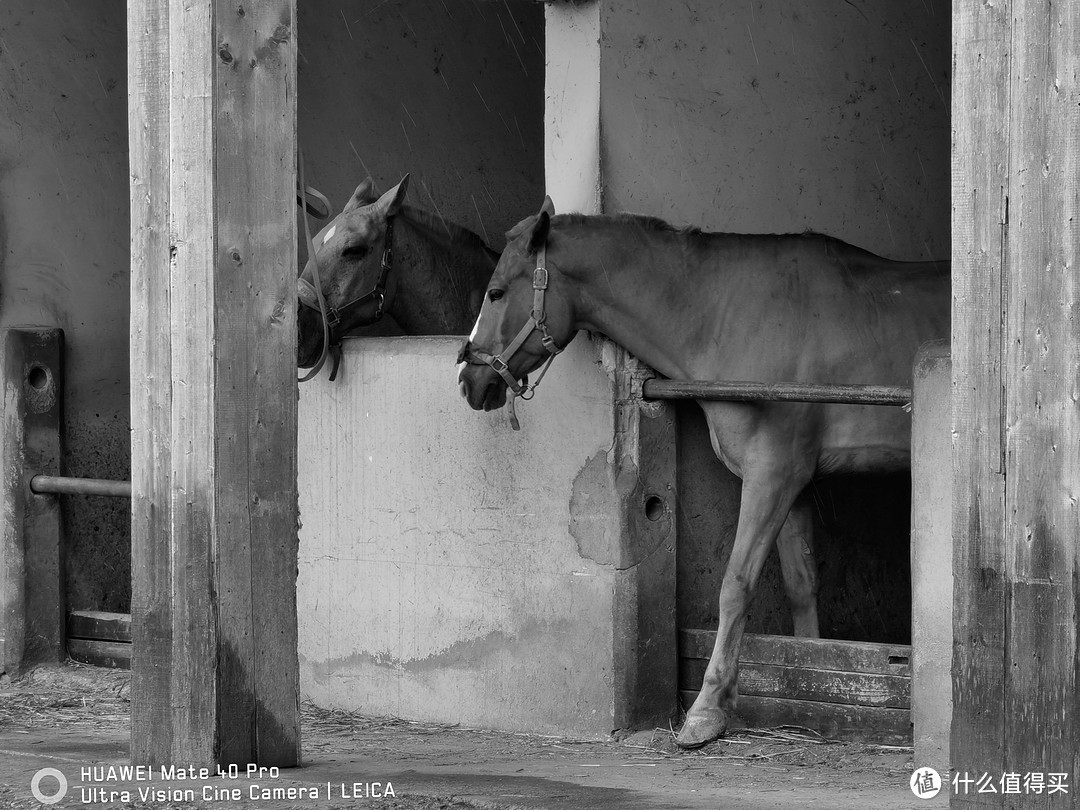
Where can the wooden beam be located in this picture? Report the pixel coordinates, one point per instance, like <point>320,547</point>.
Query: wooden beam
<point>213,145</point>
<point>777,392</point>
<point>1016,228</point>
<point>99,625</point>
<point>32,588</point>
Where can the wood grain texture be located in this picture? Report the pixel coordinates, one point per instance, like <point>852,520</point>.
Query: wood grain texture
<point>100,653</point>
<point>99,625</point>
<point>151,389</point>
<point>865,724</point>
<point>980,226</point>
<point>255,381</point>
<point>1041,374</point>
<point>806,683</point>
<point>213,382</point>
<point>817,653</point>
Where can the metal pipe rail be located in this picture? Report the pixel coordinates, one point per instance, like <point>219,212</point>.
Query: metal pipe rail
<point>777,392</point>
<point>63,485</point>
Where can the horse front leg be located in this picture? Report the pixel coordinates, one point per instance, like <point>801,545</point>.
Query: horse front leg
<point>763,508</point>
<point>795,545</point>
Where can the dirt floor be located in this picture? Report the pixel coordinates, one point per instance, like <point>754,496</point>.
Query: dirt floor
<point>76,717</point>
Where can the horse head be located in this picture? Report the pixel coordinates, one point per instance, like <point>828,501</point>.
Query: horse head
<point>352,258</point>
<point>525,319</point>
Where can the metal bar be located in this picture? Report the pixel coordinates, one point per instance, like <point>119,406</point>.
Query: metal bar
<point>63,485</point>
<point>777,392</point>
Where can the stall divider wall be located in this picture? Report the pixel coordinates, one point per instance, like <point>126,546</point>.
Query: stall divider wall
<point>454,570</point>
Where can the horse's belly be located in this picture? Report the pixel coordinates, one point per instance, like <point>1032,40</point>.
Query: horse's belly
<point>865,439</point>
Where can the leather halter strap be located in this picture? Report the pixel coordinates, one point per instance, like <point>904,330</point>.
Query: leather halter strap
<point>311,296</point>
<point>537,322</point>
<point>377,294</point>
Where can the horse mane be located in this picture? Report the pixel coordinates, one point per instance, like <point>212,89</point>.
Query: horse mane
<point>693,234</point>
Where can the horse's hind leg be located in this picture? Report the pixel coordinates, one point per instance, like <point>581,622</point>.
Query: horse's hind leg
<point>767,495</point>
<point>797,563</point>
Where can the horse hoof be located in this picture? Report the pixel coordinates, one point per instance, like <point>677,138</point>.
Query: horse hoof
<point>701,728</point>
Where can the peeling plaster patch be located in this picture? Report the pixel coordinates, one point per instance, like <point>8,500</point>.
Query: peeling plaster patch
<point>594,512</point>
<point>464,654</point>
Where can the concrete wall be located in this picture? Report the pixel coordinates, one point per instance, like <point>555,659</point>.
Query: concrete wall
<point>64,250</point>
<point>931,557</point>
<point>449,92</point>
<point>771,118</point>
<point>452,569</point>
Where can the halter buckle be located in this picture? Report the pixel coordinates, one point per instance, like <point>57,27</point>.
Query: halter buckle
<point>497,364</point>
<point>540,278</point>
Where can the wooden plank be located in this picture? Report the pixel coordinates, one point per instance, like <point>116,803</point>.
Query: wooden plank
<point>99,653</point>
<point>777,392</point>
<point>99,625</point>
<point>980,223</point>
<point>32,584</point>
<point>865,724</point>
<point>804,683</point>
<point>789,651</point>
<point>148,39</point>
<point>255,380</point>
<point>1040,371</point>
<point>214,472</point>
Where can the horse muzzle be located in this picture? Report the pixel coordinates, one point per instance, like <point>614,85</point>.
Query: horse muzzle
<point>481,387</point>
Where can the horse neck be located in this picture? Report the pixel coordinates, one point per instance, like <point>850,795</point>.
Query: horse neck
<point>624,291</point>
<point>442,270</point>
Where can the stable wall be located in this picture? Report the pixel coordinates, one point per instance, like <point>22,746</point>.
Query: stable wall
<point>64,251</point>
<point>454,570</point>
<point>773,118</point>
<point>450,93</point>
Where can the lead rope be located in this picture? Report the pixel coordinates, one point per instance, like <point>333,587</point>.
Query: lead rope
<point>318,288</point>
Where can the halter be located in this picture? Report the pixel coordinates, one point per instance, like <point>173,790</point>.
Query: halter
<point>537,322</point>
<point>311,296</point>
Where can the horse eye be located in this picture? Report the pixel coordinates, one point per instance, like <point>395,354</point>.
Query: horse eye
<point>495,295</point>
<point>358,251</point>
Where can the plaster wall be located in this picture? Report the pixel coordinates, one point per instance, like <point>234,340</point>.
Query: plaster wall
<point>772,118</point>
<point>64,250</point>
<point>451,569</point>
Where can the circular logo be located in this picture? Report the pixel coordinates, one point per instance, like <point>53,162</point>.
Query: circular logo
<point>925,783</point>
<point>45,798</point>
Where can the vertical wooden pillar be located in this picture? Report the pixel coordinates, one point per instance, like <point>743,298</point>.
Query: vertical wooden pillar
<point>212,121</point>
<point>1016,366</point>
<point>32,587</point>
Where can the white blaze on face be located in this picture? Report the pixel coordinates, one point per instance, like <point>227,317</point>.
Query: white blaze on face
<point>329,234</point>
<point>472,337</point>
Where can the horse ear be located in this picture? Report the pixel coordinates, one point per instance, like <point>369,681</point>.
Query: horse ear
<point>365,194</point>
<point>540,230</point>
<point>548,206</point>
<point>390,202</point>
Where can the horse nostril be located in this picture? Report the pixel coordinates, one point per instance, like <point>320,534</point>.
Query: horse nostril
<point>464,389</point>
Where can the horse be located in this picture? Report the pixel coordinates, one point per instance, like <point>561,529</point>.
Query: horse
<point>381,257</point>
<point>717,306</point>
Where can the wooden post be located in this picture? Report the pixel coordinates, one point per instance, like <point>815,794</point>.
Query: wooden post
<point>32,603</point>
<point>1016,229</point>
<point>214,505</point>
